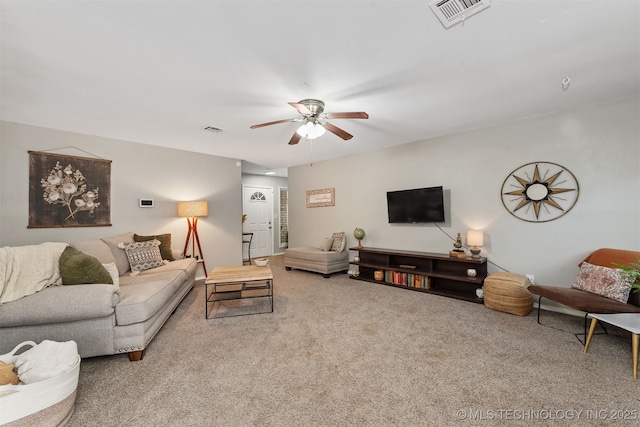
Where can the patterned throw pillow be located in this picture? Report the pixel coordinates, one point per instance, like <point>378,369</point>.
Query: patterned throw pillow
<point>143,255</point>
<point>604,281</point>
<point>165,243</point>
<point>339,241</point>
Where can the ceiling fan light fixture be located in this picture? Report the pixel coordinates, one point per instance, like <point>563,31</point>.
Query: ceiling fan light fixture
<point>318,130</point>
<point>311,130</point>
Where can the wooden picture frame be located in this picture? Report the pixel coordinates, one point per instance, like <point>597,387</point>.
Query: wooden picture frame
<point>321,198</point>
<point>68,191</point>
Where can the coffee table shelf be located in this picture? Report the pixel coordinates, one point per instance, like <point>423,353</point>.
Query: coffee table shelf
<point>230,291</point>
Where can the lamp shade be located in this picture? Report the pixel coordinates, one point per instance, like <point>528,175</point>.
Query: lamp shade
<point>475,237</point>
<point>193,209</point>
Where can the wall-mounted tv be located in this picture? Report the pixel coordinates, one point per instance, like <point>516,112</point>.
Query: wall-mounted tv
<point>416,205</point>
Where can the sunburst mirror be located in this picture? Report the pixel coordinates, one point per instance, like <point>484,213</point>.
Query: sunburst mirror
<point>540,192</point>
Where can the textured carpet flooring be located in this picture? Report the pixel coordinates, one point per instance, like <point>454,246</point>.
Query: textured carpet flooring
<point>340,352</point>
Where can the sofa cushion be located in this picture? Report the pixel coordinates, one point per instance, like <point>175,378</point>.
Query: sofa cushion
<point>604,281</point>
<point>78,268</point>
<point>165,244</point>
<point>143,295</point>
<point>96,248</point>
<point>120,257</point>
<point>60,304</point>
<point>143,255</point>
<point>186,265</point>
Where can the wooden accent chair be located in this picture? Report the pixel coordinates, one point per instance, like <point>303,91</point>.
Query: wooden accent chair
<point>589,302</point>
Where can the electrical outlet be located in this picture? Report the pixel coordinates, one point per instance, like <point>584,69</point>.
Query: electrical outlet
<point>531,278</point>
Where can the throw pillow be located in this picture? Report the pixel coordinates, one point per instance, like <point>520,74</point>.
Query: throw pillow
<point>77,268</point>
<point>339,242</point>
<point>604,281</point>
<point>143,255</point>
<point>326,244</point>
<point>120,257</point>
<point>165,244</point>
<point>113,272</point>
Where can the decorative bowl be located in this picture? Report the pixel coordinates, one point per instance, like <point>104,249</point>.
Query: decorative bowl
<point>261,262</point>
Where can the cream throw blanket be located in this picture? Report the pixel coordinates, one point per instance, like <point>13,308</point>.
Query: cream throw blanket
<point>25,270</point>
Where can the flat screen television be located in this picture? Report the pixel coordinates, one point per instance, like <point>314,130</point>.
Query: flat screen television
<point>416,205</point>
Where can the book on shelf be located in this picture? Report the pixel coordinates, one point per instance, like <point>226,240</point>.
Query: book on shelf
<point>410,280</point>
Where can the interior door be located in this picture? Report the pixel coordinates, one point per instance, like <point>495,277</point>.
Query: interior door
<point>258,206</point>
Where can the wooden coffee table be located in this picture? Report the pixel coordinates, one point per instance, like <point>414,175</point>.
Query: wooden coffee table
<point>238,291</point>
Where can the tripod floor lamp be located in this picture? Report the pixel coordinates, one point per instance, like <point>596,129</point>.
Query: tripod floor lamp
<point>192,211</point>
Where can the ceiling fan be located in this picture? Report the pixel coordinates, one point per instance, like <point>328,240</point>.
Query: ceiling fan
<point>313,118</point>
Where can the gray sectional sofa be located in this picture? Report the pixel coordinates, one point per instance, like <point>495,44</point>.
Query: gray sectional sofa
<point>103,319</point>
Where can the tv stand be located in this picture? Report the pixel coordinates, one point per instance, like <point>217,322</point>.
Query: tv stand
<point>432,273</point>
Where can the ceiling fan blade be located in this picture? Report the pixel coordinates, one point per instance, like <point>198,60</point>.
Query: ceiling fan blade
<point>350,115</point>
<point>295,138</point>
<point>301,109</point>
<point>337,131</point>
<point>272,123</point>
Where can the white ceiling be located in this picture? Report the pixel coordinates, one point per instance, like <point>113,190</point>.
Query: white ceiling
<point>158,72</point>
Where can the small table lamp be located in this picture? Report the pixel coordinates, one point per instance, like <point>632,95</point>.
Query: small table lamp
<point>191,211</point>
<point>475,239</point>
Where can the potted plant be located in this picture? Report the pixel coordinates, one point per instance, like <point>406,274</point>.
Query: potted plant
<point>632,273</point>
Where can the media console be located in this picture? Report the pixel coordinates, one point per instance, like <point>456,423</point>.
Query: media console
<point>433,273</point>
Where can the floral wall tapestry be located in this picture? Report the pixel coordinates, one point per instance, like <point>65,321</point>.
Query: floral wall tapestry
<point>68,191</point>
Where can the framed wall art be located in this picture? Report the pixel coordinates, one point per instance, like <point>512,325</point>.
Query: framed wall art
<point>540,191</point>
<point>321,198</point>
<point>68,191</point>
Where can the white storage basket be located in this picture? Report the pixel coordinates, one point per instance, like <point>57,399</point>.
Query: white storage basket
<point>43,403</point>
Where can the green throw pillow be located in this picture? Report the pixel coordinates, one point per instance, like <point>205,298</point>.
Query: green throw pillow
<point>165,244</point>
<point>78,268</point>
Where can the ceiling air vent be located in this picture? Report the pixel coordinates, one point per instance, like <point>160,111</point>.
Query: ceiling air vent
<point>450,12</point>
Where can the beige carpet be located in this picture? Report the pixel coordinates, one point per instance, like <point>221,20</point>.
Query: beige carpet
<point>341,352</point>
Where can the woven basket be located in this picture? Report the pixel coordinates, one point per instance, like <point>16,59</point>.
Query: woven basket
<point>44,403</point>
<point>507,292</point>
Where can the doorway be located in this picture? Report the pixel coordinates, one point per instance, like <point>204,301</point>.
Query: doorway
<point>258,206</point>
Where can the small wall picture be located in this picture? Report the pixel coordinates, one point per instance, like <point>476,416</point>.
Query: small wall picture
<point>321,198</point>
<point>68,191</point>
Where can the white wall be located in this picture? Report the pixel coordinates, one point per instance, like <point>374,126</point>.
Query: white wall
<point>137,170</point>
<point>601,146</point>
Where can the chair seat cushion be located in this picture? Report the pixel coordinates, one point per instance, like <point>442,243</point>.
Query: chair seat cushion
<point>315,254</point>
<point>581,300</point>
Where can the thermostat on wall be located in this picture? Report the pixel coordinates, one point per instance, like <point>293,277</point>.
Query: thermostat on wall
<point>146,203</point>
